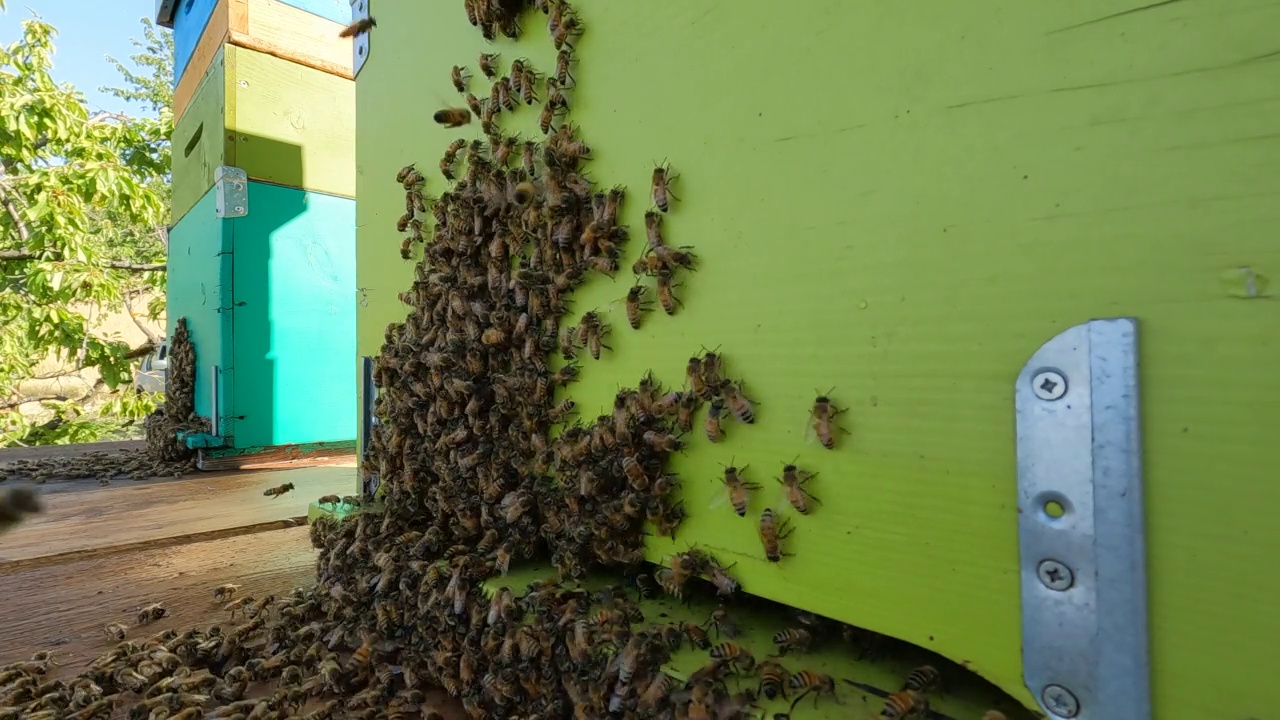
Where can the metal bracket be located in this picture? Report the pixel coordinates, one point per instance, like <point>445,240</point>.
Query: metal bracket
<point>165,10</point>
<point>360,45</point>
<point>1080,525</point>
<point>232,197</point>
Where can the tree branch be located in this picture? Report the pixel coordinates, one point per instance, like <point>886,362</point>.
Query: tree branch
<point>9,405</point>
<point>141,351</point>
<point>113,264</point>
<point>24,234</point>
<point>151,337</point>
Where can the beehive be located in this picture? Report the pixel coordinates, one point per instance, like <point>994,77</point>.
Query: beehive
<point>267,299</point>
<point>903,204</point>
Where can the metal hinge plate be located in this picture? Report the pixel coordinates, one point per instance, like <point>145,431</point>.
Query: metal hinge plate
<point>1080,525</point>
<point>360,45</point>
<point>231,199</point>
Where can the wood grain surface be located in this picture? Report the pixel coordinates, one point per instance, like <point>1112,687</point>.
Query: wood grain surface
<point>82,516</point>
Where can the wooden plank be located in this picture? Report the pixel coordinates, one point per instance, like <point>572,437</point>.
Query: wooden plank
<point>280,457</point>
<point>984,177</point>
<point>42,452</point>
<point>215,36</point>
<point>190,21</point>
<point>281,30</point>
<point>290,124</point>
<point>75,601</point>
<point>82,515</point>
<point>338,11</point>
<point>199,142</point>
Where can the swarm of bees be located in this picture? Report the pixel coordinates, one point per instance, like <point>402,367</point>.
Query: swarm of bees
<point>165,455</point>
<point>480,465</point>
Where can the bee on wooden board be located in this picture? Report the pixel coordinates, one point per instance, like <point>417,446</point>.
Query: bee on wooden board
<point>773,530</point>
<point>661,187</point>
<point>358,28</point>
<point>452,117</point>
<point>738,490</point>
<point>278,490</point>
<point>793,481</point>
<point>822,417</point>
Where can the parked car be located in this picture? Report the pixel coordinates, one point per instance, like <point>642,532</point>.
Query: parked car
<point>150,375</point>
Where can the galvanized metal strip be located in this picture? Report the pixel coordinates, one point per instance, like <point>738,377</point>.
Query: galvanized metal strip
<point>231,199</point>
<point>369,421</point>
<point>360,46</point>
<point>1080,525</point>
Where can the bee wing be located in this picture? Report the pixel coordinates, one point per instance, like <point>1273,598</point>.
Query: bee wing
<point>721,498</point>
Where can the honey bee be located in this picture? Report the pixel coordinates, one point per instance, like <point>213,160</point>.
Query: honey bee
<point>653,230</point>
<point>361,656</point>
<point>452,117</point>
<point>719,619</point>
<point>693,378</point>
<point>529,157</point>
<point>724,582</point>
<point>548,116</point>
<point>277,491</point>
<point>904,704</point>
<point>151,613</point>
<point>739,490</point>
<point>358,28</point>
<point>15,503</point>
<point>823,417</point>
<point>115,631</point>
<point>223,593</point>
<point>636,304</point>
<point>772,532</point>
<point>792,639</point>
<point>808,681</point>
<point>450,158</point>
<point>738,402</point>
<point>715,432</point>
<point>793,481</point>
<point>661,186</point>
<point>523,193</point>
<point>662,442</point>
<point>591,333</point>
<point>489,65</point>
<point>666,295</point>
<point>735,655</point>
<point>564,58</point>
<point>687,406</point>
<point>921,679</point>
<point>477,108</point>
<point>460,76</point>
<point>773,679</point>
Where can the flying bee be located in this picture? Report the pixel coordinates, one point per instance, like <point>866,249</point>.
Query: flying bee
<point>793,481</point>
<point>737,490</point>
<point>358,28</point>
<point>523,193</point>
<point>661,186</point>
<point>823,417</point>
<point>636,305</point>
<point>904,704</point>
<point>773,679</point>
<point>278,490</point>
<point>808,681</point>
<point>452,117</point>
<point>460,76</point>
<point>715,413</point>
<point>792,640</point>
<point>489,65</point>
<point>666,295</point>
<point>738,402</point>
<point>16,503</point>
<point>450,158</point>
<point>772,532</point>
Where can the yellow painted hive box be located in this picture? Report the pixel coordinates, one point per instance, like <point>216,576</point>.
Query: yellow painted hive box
<point>898,205</point>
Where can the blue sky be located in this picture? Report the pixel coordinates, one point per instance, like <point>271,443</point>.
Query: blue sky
<point>88,31</point>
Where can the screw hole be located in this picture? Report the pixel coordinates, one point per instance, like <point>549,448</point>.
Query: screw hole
<point>360,51</point>
<point>1054,509</point>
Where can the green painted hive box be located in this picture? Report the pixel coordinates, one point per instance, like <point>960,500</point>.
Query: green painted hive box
<point>903,201</point>
<point>268,300</point>
<point>279,121</point>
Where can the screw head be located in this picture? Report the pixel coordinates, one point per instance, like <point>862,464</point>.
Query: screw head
<point>1060,701</point>
<point>1055,575</point>
<point>1049,385</point>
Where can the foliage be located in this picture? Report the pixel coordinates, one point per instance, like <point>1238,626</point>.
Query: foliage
<point>83,215</point>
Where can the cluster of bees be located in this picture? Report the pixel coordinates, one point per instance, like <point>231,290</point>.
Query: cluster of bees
<point>479,466</point>
<point>164,456</point>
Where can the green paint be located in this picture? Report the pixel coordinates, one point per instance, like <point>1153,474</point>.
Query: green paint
<point>337,512</point>
<point>904,201</point>
<point>279,121</point>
